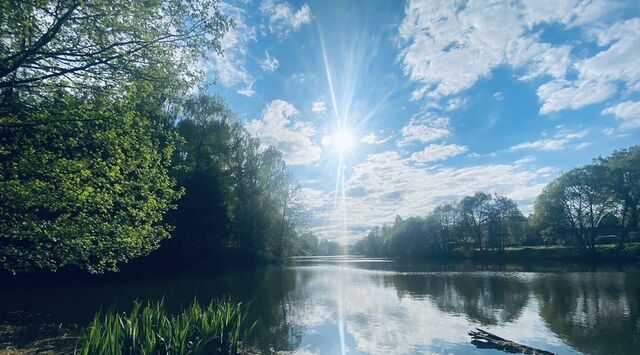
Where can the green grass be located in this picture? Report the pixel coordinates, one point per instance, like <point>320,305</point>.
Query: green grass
<point>219,328</point>
<point>631,252</point>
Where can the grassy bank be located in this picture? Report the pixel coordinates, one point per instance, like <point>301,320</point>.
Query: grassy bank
<point>609,252</point>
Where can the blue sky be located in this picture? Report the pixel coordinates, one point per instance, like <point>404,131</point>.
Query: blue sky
<point>390,107</point>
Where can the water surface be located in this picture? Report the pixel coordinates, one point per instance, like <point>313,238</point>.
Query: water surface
<point>356,305</point>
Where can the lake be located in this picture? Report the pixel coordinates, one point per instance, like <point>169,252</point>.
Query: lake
<point>356,305</point>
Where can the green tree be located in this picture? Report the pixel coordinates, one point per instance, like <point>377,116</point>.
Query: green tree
<point>623,180</point>
<point>474,215</point>
<point>240,198</point>
<point>84,183</point>
<point>577,202</point>
<point>505,222</point>
<point>76,43</point>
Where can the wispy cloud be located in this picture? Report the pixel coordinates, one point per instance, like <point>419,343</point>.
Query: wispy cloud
<point>598,76</point>
<point>372,138</point>
<point>559,141</point>
<point>269,63</point>
<point>628,112</point>
<point>282,18</point>
<point>319,107</point>
<point>440,38</point>
<point>279,129</point>
<point>436,152</point>
<point>386,185</point>
<point>424,129</point>
<point>230,69</point>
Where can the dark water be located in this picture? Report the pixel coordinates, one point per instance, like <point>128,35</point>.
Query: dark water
<point>372,306</point>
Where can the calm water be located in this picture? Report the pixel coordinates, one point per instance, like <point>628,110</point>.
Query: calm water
<point>374,306</point>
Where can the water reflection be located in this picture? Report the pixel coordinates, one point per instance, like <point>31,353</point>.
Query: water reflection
<point>598,313</point>
<point>359,306</point>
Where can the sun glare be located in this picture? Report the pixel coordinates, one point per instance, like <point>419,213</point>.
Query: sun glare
<point>341,140</point>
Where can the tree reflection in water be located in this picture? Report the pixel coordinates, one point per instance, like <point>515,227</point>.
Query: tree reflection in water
<point>387,307</point>
<point>597,313</point>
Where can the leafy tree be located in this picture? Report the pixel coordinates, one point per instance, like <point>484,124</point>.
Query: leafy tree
<point>307,244</point>
<point>84,183</point>
<point>329,247</point>
<point>202,219</point>
<point>239,196</point>
<point>474,213</point>
<point>76,43</point>
<point>623,180</point>
<point>505,222</point>
<point>582,199</point>
<point>445,220</point>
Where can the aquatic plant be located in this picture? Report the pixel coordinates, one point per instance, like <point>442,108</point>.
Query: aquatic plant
<point>219,328</point>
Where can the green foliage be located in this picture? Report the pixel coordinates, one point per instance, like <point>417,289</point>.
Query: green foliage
<point>239,196</point>
<point>491,221</point>
<point>96,129</point>
<point>330,247</point>
<point>573,210</point>
<point>219,328</point>
<point>78,43</point>
<point>84,183</point>
<point>582,203</point>
<point>306,244</point>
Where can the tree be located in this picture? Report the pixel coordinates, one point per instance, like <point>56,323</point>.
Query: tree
<point>240,197</point>
<point>505,222</point>
<point>202,219</point>
<point>474,215</point>
<point>623,180</point>
<point>446,220</point>
<point>582,198</point>
<point>76,43</point>
<point>88,190</point>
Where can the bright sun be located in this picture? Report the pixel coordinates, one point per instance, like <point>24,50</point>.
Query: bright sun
<point>342,140</point>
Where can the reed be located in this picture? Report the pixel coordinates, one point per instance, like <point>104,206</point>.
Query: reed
<point>219,328</point>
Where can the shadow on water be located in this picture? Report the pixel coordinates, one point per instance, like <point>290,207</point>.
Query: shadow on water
<point>382,305</point>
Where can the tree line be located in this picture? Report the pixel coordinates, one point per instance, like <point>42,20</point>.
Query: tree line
<point>107,153</point>
<point>593,204</point>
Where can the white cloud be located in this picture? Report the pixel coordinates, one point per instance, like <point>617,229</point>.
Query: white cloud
<point>542,144</point>
<point>436,152</point>
<point>456,103</point>
<point>269,64</point>
<point>372,138</point>
<point>628,112</point>
<point>599,75</point>
<point>293,138</point>
<point>247,90</point>
<point>230,68</point>
<point>319,106</point>
<point>439,39</point>
<point>386,185</point>
<point>478,36</point>
<point>424,129</point>
<point>301,77</point>
<point>562,94</point>
<point>558,142</point>
<point>282,18</point>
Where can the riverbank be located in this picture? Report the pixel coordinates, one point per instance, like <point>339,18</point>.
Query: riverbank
<point>631,252</point>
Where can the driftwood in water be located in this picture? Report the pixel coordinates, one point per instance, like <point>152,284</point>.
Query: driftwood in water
<point>485,340</point>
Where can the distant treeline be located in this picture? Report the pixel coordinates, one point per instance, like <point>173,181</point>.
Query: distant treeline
<point>107,153</point>
<point>586,206</point>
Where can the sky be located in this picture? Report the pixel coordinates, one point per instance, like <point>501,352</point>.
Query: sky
<point>385,108</point>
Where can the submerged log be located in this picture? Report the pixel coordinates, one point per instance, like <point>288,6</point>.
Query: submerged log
<point>485,340</point>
